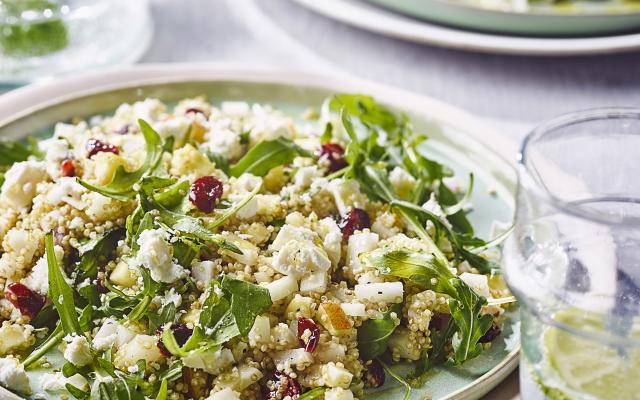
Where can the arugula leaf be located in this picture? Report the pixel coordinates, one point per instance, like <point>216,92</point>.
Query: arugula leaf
<point>167,315</point>
<point>12,151</point>
<point>122,184</point>
<point>96,252</point>
<point>247,302</point>
<point>216,317</point>
<point>194,342</point>
<point>60,293</point>
<point>374,334</point>
<point>162,393</point>
<point>458,218</point>
<point>427,272</point>
<point>221,162</point>
<point>267,155</point>
<point>465,310</point>
<point>366,109</point>
<point>77,393</point>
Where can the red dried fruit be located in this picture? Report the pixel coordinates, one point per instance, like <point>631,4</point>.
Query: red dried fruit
<point>356,219</point>
<point>489,336</point>
<point>374,375</point>
<point>24,299</point>
<point>194,110</point>
<point>181,332</point>
<point>205,193</point>
<point>68,168</point>
<point>439,321</point>
<point>285,386</point>
<point>312,340</point>
<point>334,153</point>
<point>95,146</point>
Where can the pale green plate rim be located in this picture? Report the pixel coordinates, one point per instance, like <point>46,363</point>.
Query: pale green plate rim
<point>32,108</point>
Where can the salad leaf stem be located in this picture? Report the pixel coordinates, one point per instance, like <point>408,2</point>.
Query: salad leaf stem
<point>450,210</point>
<point>53,339</point>
<point>397,377</point>
<point>60,293</point>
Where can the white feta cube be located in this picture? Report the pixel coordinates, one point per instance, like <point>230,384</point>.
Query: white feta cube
<point>361,242</point>
<point>478,283</point>
<point>20,182</point>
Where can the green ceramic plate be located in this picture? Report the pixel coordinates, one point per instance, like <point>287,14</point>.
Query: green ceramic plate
<point>455,137</point>
<point>580,18</point>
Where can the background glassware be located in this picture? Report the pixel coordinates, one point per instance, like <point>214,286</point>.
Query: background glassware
<point>573,260</point>
<point>41,38</point>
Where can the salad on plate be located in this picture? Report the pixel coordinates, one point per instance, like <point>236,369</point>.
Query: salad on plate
<point>236,252</point>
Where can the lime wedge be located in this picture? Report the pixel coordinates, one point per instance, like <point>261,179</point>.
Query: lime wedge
<point>593,369</point>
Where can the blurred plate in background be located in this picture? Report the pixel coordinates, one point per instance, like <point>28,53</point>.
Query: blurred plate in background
<point>569,18</point>
<point>377,19</point>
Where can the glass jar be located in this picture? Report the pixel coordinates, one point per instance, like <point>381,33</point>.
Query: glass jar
<point>573,260</point>
<point>42,38</point>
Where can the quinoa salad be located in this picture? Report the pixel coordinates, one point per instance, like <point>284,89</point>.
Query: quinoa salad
<point>234,251</point>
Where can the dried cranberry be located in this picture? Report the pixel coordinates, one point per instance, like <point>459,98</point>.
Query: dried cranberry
<point>374,375</point>
<point>205,193</point>
<point>95,146</point>
<point>356,219</point>
<point>194,110</point>
<point>493,332</point>
<point>305,324</point>
<point>68,168</point>
<point>285,386</point>
<point>181,332</point>
<point>439,321</point>
<point>24,299</point>
<point>334,153</point>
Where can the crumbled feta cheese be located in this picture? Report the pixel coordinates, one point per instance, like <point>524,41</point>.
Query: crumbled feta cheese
<point>298,358</point>
<point>346,194</point>
<point>15,337</point>
<point>223,141</point>
<point>402,181</point>
<point>335,375</point>
<point>155,254</point>
<point>479,283</point>
<point>338,394</point>
<point>361,242</point>
<point>203,271</point>
<point>106,335</point>
<point>176,127</point>
<point>20,182</point>
<point>66,190</point>
<point>38,278</point>
<point>13,375</point>
<point>290,233</point>
<point>78,351</point>
<point>331,236</point>
<point>235,108</point>
<point>224,394</point>
<point>304,177</point>
<point>211,361</point>
<point>56,382</point>
<point>386,292</point>
<point>296,258</point>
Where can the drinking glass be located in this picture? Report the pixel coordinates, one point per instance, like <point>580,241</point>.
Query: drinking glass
<point>573,260</point>
<point>41,38</point>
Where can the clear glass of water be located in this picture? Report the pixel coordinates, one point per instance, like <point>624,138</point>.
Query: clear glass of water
<point>42,38</point>
<point>573,260</point>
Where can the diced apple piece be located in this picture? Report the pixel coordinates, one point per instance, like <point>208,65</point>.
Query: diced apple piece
<point>354,309</point>
<point>261,330</point>
<point>479,283</point>
<point>387,292</point>
<point>300,306</point>
<point>282,288</point>
<point>123,276</point>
